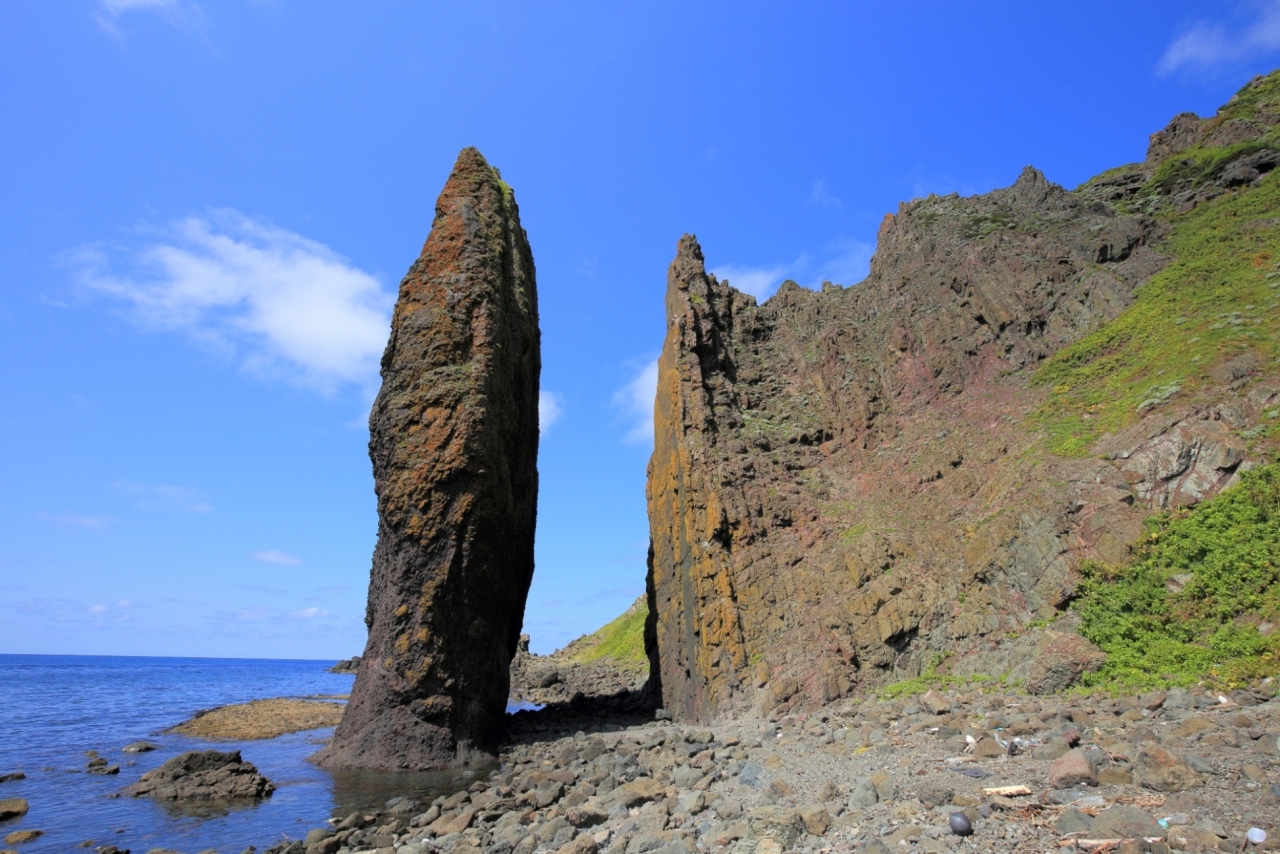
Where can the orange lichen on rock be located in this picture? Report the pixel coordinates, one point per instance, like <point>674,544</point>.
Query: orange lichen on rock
<point>454,442</point>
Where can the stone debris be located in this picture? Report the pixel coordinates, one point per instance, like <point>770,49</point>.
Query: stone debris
<point>873,775</point>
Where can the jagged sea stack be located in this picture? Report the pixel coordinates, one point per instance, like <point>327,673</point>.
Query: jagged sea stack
<point>454,443</point>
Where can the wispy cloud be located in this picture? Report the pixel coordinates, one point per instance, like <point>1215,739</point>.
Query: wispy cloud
<point>1209,43</point>
<point>550,410</point>
<point>635,403</point>
<point>844,261</point>
<point>280,304</point>
<point>163,497</point>
<point>276,557</point>
<point>310,613</point>
<point>760,282</point>
<point>184,15</point>
<point>821,195</point>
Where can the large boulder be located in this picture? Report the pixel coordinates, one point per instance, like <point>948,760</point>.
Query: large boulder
<point>1058,661</point>
<point>453,436</point>
<point>203,775</point>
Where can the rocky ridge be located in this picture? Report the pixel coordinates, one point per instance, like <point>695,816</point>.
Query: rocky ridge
<point>454,441</point>
<point>853,487</point>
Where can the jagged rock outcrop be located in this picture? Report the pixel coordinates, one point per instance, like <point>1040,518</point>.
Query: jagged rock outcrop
<point>845,488</point>
<point>203,775</point>
<point>454,441</point>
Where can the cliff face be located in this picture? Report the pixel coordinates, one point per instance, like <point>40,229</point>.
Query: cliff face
<point>453,440</point>
<point>855,485</point>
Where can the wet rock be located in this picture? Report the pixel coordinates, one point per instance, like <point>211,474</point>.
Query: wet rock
<point>1161,770</point>
<point>203,775</point>
<point>348,665</point>
<point>20,837</point>
<point>13,808</point>
<point>454,442</point>
<point>138,747</point>
<point>16,775</point>
<point>1072,769</point>
<point>315,835</point>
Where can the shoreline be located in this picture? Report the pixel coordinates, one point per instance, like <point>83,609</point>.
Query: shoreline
<point>1026,772</point>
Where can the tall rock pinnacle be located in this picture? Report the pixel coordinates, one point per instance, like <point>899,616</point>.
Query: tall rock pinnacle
<point>454,443</point>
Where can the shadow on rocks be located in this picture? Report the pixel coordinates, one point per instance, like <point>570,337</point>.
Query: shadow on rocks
<point>581,713</point>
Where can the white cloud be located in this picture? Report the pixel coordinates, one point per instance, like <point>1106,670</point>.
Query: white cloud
<point>760,282</point>
<point>310,613</point>
<point>279,303</point>
<point>163,497</point>
<point>823,196</point>
<point>848,262</point>
<point>635,400</point>
<point>279,558</point>
<point>97,609</point>
<point>550,409</point>
<point>843,261</point>
<point>124,603</point>
<point>182,14</point>
<point>1207,43</point>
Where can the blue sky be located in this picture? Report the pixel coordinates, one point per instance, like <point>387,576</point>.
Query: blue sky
<point>208,206</point>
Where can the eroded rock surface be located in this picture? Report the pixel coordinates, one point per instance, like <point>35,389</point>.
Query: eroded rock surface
<point>203,775</point>
<point>844,488</point>
<point>454,441</point>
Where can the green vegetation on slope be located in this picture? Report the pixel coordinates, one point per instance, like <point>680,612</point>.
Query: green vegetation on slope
<point>1218,298</point>
<point>621,640</point>
<point>1191,601</point>
<point>1213,302</point>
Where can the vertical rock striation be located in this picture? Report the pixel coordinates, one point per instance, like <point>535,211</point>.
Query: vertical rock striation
<point>454,441</point>
<point>838,491</point>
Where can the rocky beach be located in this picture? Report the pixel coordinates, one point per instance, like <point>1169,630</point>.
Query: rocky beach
<point>1182,770</point>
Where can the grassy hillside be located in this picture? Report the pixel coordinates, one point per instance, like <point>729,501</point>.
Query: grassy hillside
<point>621,641</point>
<point>1218,298</point>
<point>1200,598</point>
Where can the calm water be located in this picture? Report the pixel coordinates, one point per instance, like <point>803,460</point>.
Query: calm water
<point>53,708</point>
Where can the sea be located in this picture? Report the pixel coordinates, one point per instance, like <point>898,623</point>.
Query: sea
<point>54,709</point>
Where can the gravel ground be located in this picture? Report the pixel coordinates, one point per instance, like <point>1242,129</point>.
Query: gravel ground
<point>1186,771</point>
